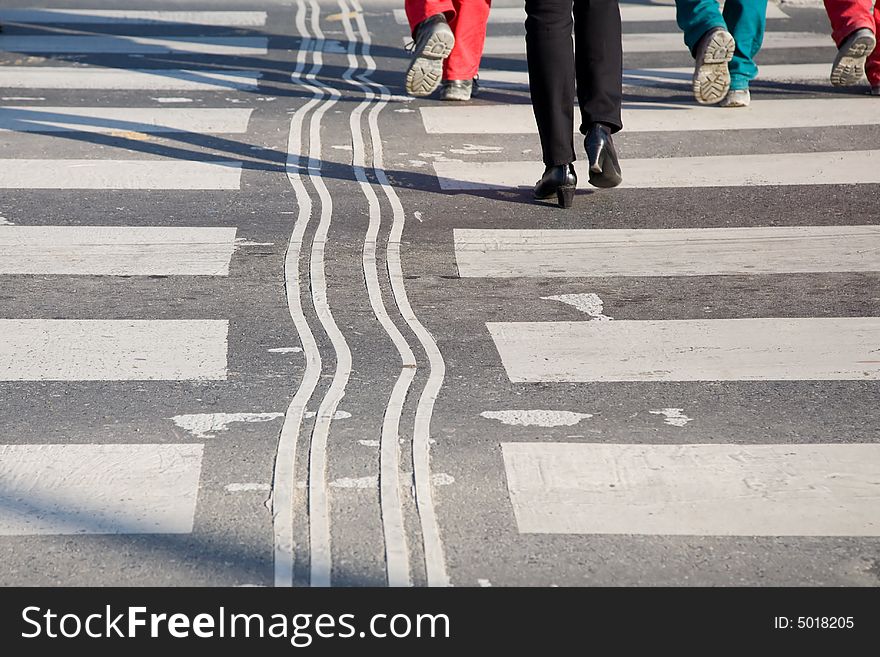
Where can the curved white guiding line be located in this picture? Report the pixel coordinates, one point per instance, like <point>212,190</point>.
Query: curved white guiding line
<point>391,506</point>
<point>435,561</point>
<point>319,508</point>
<point>284,476</point>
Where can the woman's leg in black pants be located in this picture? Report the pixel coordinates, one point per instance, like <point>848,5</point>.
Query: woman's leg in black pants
<point>551,76</point>
<point>599,62</point>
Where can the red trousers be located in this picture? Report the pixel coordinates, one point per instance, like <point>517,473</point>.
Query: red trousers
<point>846,16</point>
<point>468,19</point>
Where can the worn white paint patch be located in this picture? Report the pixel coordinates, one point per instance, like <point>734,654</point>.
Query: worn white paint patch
<point>237,488</point>
<point>369,443</point>
<point>418,163</point>
<point>243,241</point>
<point>442,479</point>
<point>417,215</point>
<point>589,303</point>
<point>23,98</point>
<point>476,149</point>
<point>536,418</point>
<point>5,222</point>
<point>98,489</point>
<point>747,349</point>
<point>343,147</point>
<point>355,482</point>
<point>285,350</point>
<point>112,349</point>
<point>674,416</point>
<point>167,99</point>
<point>697,490</point>
<point>338,415</point>
<point>206,425</point>
<point>484,583</point>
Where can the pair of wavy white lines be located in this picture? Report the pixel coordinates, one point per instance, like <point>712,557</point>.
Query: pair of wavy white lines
<point>376,97</point>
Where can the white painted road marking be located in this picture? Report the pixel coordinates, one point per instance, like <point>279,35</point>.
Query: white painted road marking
<point>98,489</point>
<point>112,350</point>
<point>675,76</point>
<point>821,168</point>
<point>206,425</point>
<point>698,490</point>
<point>505,253</point>
<point>764,349</point>
<point>121,119</point>
<point>133,17</point>
<point>116,250</point>
<point>665,117</point>
<point>72,77</point>
<point>135,45</point>
<point>673,416</point>
<point>648,42</point>
<point>118,174</point>
<point>536,418</point>
<point>588,303</point>
<point>628,13</point>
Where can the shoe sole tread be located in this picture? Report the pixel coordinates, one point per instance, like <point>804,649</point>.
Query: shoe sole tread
<point>849,65</point>
<point>711,80</point>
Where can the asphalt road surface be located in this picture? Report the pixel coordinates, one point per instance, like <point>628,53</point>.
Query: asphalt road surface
<point>264,320</point>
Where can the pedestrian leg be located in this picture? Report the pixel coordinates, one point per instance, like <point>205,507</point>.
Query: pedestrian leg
<point>433,41</point>
<point>707,37</point>
<point>461,67</point>
<point>872,67</point>
<point>550,55</point>
<point>853,28</point>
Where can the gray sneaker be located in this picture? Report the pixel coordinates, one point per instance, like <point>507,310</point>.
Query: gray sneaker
<point>711,76</point>
<point>736,98</point>
<point>849,65</point>
<point>433,41</point>
<point>459,90</point>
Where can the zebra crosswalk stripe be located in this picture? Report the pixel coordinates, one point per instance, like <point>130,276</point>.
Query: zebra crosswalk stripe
<point>666,252</point>
<point>665,116</point>
<point>696,490</point>
<point>116,250</point>
<point>822,168</point>
<point>112,349</point>
<point>67,77</point>
<point>135,45</point>
<point>671,77</point>
<point>629,12</point>
<point>760,349</point>
<point>118,174</point>
<point>134,17</point>
<point>118,119</point>
<point>650,42</point>
<point>98,489</point>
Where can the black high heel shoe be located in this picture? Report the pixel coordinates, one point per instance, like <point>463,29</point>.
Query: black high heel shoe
<point>604,165</point>
<point>560,180</point>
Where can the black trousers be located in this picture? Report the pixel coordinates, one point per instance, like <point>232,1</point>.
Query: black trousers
<point>597,65</point>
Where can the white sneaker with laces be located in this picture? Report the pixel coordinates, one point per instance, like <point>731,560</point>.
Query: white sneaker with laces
<point>736,98</point>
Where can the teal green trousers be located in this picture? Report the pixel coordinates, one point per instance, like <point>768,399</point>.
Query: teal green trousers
<point>744,19</point>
